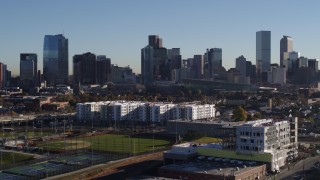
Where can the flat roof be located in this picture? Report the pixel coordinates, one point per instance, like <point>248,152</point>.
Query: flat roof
<point>210,167</point>
<point>264,122</point>
<point>149,178</point>
<point>216,121</point>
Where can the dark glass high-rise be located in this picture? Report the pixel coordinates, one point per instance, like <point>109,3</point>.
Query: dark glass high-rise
<point>55,59</point>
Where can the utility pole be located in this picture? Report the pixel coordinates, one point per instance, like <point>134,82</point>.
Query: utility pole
<point>152,140</point>
<point>303,169</point>
<point>64,135</point>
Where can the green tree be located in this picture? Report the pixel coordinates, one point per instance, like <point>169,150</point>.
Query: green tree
<point>239,114</point>
<point>249,117</point>
<point>257,115</point>
<point>198,93</point>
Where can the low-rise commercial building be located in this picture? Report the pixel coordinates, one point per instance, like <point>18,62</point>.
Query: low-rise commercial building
<point>267,136</point>
<point>272,142</point>
<point>207,170</point>
<point>31,103</point>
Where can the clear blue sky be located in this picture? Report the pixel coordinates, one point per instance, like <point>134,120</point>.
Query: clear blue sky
<point>120,28</point>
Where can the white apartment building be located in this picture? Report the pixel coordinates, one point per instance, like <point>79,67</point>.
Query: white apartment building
<point>194,111</point>
<point>89,111</point>
<point>142,111</point>
<point>157,112</point>
<point>267,136</point>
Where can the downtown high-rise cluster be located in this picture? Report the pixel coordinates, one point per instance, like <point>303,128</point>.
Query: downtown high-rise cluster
<point>160,64</point>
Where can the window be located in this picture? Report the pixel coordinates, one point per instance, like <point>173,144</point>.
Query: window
<point>252,140</point>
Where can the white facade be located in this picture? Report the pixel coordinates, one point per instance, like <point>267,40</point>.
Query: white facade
<point>193,111</point>
<point>266,136</point>
<point>89,111</point>
<point>142,111</point>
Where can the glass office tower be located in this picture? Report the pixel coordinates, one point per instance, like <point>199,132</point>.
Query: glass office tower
<point>55,59</point>
<point>28,70</point>
<point>263,51</point>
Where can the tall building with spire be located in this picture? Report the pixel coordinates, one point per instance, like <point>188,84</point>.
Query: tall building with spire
<point>286,46</point>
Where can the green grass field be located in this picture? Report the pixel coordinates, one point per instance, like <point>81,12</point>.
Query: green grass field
<point>9,158</point>
<point>205,140</point>
<point>107,143</point>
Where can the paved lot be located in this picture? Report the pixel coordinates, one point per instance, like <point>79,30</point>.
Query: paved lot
<point>298,168</point>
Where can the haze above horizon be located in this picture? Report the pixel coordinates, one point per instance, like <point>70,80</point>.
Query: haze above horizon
<point>120,28</point>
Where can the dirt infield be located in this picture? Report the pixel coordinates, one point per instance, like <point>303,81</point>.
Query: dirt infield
<point>71,144</point>
<point>68,144</point>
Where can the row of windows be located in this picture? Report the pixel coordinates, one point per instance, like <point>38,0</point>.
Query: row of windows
<point>250,133</point>
<point>250,148</point>
<point>243,140</point>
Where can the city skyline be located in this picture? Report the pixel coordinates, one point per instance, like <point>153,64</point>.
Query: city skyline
<point>119,30</point>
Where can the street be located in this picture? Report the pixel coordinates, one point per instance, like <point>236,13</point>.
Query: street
<point>298,168</point>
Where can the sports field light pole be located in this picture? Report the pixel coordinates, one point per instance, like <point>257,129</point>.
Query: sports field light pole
<point>27,135</point>
<point>1,161</point>
<point>91,141</point>
<point>41,126</point>
<point>27,124</point>
<point>2,131</point>
<point>47,157</point>
<point>64,135</point>
<point>33,127</point>
<point>130,153</point>
<point>2,143</point>
<point>14,138</point>
<point>176,131</point>
<point>152,140</point>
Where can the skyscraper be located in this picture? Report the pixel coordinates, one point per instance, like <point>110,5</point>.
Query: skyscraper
<point>214,60</point>
<point>5,76</point>
<point>286,46</point>
<point>28,70</point>
<point>85,68</point>
<point>55,59</point>
<point>241,65</point>
<point>103,69</point>
<point>263,51</point>
<point>155,41</point>
<point>147,58</point>
<point>198,64</point>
